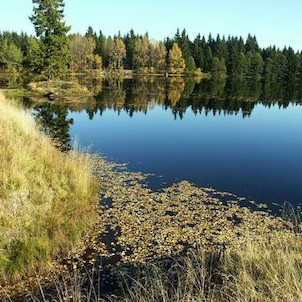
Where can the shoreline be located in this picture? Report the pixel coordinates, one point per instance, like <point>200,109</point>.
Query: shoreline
<point>137,226</point>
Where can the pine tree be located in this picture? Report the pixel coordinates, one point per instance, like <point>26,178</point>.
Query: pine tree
<point>48,21</point>
<point>219,48</point>
<point>251,44</point>
<point>293,64</point>
<point>233,55</point>
<point>90,32</point>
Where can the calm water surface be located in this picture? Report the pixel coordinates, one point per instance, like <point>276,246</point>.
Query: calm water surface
<point>245,147</point>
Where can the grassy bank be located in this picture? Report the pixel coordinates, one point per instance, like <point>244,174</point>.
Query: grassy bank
<point>47,198</point>
<point>69,91</point>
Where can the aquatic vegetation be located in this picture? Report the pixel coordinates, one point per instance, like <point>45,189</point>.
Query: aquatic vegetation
<point>147,225</point>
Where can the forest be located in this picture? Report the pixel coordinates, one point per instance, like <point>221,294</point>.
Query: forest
<point>220,56</point>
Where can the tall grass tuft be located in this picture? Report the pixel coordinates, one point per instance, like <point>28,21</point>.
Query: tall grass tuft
<point>47,198</point>
<point>259,272</point>
<point>268,271</point>
<point>74,286</point>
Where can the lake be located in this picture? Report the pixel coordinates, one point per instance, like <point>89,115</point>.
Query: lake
<point>232,135</point>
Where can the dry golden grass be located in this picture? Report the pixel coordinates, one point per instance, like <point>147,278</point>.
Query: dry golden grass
<point>46,198</point>
<point>259,272</point>
<point>266,272</point>
<point>61,89</point>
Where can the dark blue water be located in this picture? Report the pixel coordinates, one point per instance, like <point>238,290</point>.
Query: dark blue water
<point>258,156</point>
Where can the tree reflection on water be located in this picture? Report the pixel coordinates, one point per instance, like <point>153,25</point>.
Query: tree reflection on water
<point>227,96</point>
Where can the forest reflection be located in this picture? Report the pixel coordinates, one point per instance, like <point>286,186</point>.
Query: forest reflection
<point>219,96</point>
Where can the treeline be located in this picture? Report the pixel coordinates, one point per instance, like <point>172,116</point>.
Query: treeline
<point>220,56</point>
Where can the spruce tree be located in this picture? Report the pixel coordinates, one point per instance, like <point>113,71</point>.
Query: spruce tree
<point>32,56</point>
<point>48,21</point>
<point>10,56</point>
<point>198,51</point>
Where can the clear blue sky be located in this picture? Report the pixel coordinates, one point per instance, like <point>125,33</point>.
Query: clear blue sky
<point>274,22</point>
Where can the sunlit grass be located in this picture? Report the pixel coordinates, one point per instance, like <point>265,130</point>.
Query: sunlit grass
<point>258,272</point>
<point>46,197</point>
<point>266,272</point>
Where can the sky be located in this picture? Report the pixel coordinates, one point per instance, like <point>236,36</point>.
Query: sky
<point>273,22</point>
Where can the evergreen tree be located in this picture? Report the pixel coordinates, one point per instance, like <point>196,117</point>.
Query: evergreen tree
<point>32,55</point>
<point>129,41</point>
<point>168,43</point>
<point>90,32</point>
<point>198,51</point>
<point>293,64</point>
<point>190,64</point>
<point>242,66</point>
<point>10,56</point>
<point>219,48</point>
<point>268,72</point>
<point>251,44</point>
<point>48,21</point>
<point>255,63</point>
<point>208,57</point>
<point>100,43</point>
<point>218,67</point>
<point>92,35</point>
<point>184,43</point>
<point>233,55</point>
<point>281,67</point>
